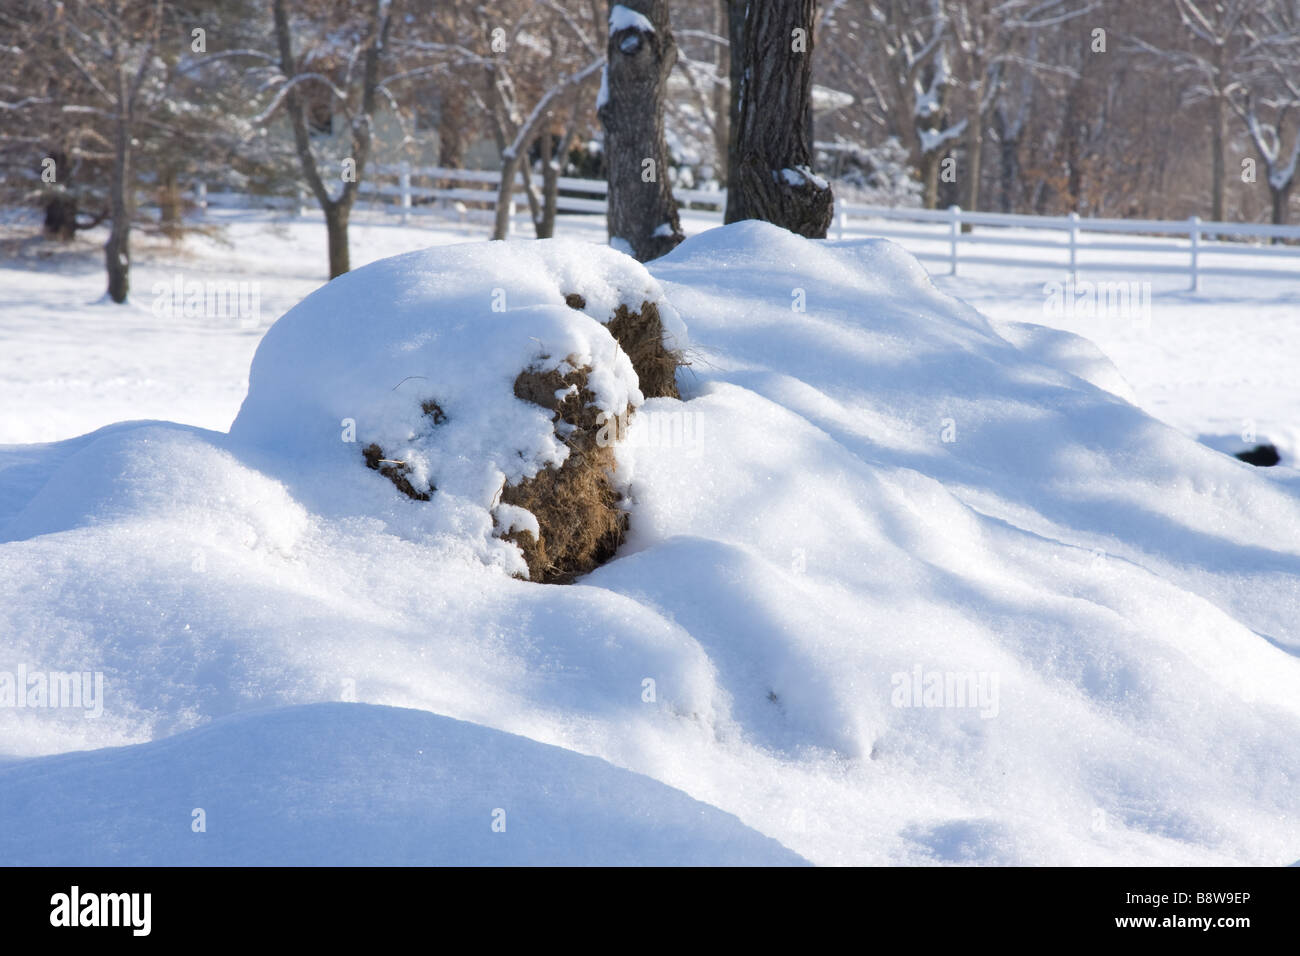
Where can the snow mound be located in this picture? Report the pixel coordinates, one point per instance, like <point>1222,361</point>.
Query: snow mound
<point>896,590</point>
<point>354,785</point>
<point>415,358</point>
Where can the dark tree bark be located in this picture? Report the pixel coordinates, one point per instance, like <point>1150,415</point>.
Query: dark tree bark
<point>61,205</point>
<point>641,209</point>
<point>1008,172</point>
<point>771,177</point>
<point>453,130</point>
<point>974,162</point>
<point>721,101</point>
<point>61,217</point>
<point>735,11</point>
<point>117,251</point>
<point>550,188</point>
<point>1281,199</point>
<point>1218,166</point>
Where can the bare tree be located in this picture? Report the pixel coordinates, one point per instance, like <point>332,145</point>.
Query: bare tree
<point>772,178</point>
<point>1267,96</point>
<point>1209,52</point>
<point>514,155</point>
<point>354,96</point>
<point>90,61</point>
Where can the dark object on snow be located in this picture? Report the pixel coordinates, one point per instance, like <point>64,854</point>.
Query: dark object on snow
<point>396,471</point>
<point>1262,456</point>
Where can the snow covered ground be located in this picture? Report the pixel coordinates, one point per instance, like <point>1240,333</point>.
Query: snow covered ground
<point>868,509</point>
<point>1219,363</point>
<point>356,785</point>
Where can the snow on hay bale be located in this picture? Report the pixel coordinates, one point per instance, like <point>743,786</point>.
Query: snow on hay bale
<point>477,380</point>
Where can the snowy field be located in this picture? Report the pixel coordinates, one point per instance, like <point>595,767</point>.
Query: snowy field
<point>1213,364</point>
<point>883,495</point>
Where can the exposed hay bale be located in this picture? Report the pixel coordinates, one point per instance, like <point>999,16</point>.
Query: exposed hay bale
<point>396,471</point>
<point>641,335</point>
<point>576,506</point>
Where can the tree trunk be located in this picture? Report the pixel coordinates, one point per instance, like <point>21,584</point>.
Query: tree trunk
<point>930,178</point>
<point>453,126</point>
<point>117,251</point>
<point>169,203</point>
<point>1281,199</point>
<point>641,211</point>
<point>550,184</point>
<point>1219,137</point>
<point>60,216</point>
<point>1009,172</point>
<point>534,205</point>
<point>721,99</point>
<point>505,190</point>
<point>554,156</point>
<point>974,160</point>
<point>337,210</point>
<point>773,178</point>
<point>336,233</point>
<point>60,204</point>
<point>735,71</point>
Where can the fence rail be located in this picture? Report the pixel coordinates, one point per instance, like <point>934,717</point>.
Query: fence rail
<point>935,235</point>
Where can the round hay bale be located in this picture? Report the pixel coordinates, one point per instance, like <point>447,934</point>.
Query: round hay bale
<point>577,509</point>
<point>579,515</point>
<point>478,381</point>
<point>640,334</point>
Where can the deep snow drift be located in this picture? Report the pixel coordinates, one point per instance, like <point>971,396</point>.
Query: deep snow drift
<point>875,496</point>
<point>358,785</point>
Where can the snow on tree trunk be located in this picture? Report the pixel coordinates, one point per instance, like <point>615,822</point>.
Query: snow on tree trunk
<point>642,214</point>
<point>772,176</point>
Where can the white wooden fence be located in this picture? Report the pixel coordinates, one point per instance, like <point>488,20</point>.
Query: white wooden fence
<point>937,235</point>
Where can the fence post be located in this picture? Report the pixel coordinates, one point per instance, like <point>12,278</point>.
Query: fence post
<point>1195,231</point>
<point>404,184</point>
<point>1074,246</point>
<point>302,202</point>
<point>201,196</point>
<point>954,235</point>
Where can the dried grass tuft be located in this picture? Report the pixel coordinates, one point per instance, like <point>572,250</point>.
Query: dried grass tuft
<point>641,335</point>
<point>578,512</point>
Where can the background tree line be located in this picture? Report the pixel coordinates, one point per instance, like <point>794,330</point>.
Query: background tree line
<point>109,109</point>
